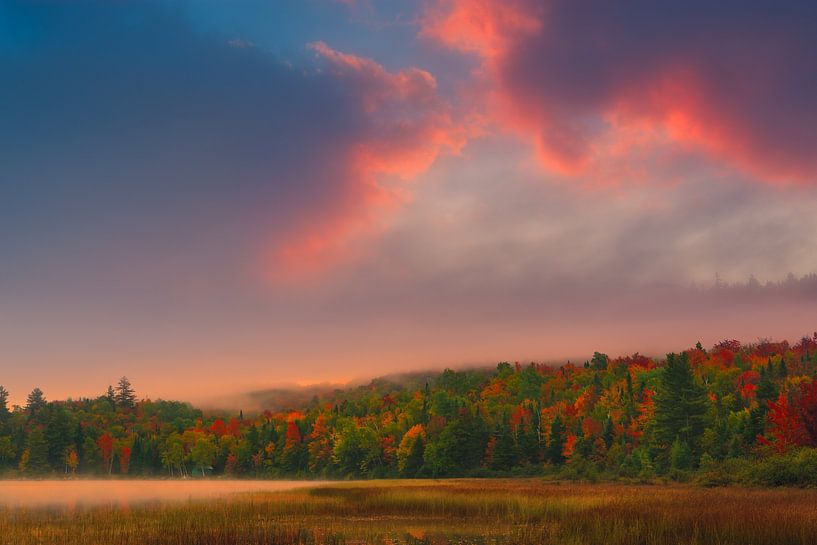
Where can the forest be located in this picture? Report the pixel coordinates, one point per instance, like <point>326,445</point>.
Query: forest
<point>729,413</point>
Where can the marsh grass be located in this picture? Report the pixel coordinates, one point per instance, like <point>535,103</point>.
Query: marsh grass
<point>432,512</point>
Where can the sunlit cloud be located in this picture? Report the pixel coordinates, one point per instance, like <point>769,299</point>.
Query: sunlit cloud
<point>405,126</point>
<point>588,83</point>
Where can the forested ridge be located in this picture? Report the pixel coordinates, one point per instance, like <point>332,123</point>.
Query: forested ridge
<point>729,413</point>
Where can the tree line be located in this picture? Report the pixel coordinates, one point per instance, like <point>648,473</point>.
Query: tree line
<point>698,412</point>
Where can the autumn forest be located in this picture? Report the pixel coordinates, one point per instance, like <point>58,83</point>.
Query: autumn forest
<point>729,413</point>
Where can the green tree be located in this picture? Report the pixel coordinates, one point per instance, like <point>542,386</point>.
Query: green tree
<point>410,452</point>
<point>504,454</point>
<point>466,438</point>
<point>680,455</point>
<point>608,432</point>
<point>174,455</point>
<point>4,408</point>
<point>599,361</point>
<point>766,389</point>
<point>35,401</point>
<point>556,444</point>
<point>355,449</point>
<point>8,452</point>
<point>438,454</point>
<point>125,396</point>
<point>58,433</point>
<point>90,460</point>
<point>37,449</point>
<point>680,407</point>
<point>204,453</point>
<point>110,396</point>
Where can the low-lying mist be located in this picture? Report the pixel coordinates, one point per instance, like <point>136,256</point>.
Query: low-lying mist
<point>76,493</point>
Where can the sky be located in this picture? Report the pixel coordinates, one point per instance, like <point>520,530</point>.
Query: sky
<point>216,196</point>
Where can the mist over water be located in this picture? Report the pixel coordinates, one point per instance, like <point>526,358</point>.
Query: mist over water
<point>127,493</point>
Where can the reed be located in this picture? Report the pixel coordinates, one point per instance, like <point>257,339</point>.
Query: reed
<point>437,512</point>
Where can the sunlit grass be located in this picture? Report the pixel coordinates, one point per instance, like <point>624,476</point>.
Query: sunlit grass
<point>457,511</point>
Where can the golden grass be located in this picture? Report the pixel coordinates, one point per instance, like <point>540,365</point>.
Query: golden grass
<point>432,512</point>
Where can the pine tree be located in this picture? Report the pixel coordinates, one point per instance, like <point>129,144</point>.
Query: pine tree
<point>414,460</point>
<point>470,438</point>
<point>680,455</point>
<point>504,451</point>
<point>766,390</point>
<point>599,361</point>
<point>630,396</point>
<point>137,461</point>
<point>557,442</point>
<point>125,396</point>
<point>37,448</point>
<point>57,434</point>
<point>608,432</point>
<point>4,408</point>
<point>35,401</point>
<point>680,406</point>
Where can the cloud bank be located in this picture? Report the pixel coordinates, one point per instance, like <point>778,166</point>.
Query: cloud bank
<point>592,84</point>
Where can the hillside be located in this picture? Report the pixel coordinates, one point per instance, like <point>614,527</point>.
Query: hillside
<point>730,412</point>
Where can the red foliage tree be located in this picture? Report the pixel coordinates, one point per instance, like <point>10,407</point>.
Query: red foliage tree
<point>231,464</point>
<point>218,428</point>
<point>234,427</point>
<point>807,411</point>
<point>105,444</point>
<point>293,435</point>
<point>124,460</point>
<point>785,425</point>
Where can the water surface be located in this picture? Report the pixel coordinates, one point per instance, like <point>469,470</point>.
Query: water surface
<point>103,492</point>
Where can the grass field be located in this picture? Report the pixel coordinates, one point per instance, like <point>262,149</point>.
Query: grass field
<point>455,511</point>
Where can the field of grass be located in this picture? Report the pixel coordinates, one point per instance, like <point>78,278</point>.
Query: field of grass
<point>432,512</point>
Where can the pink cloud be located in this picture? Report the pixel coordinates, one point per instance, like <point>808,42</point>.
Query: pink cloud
<point>405,126</point>
<point>594,84</point>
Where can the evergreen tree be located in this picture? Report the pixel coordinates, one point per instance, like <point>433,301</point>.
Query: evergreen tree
<point>680,406</point>
<point>556,444</point>
<point>680,455</point>
<point>504,455</point>
<point>766,390</point>
<point>57,434</point>
<point>37,449</point>
<point>608,432</point>
<point>8,452</point>
<point>414,461</point>
<point>35,401</point>
<point>528,441</point>
<point>630,396</point>
<point>469,438</point>
<point>4,398</point>
<point>125,396</point>
<point>91,459</point>
<point>137,456</point>
<point>599,361</point>
<point>426,401</point>
<point>4,408</point>
<point>110,395</point>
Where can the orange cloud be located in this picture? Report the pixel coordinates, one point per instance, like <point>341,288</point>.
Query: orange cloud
<point>405,126</point>
<point>592,84</point>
